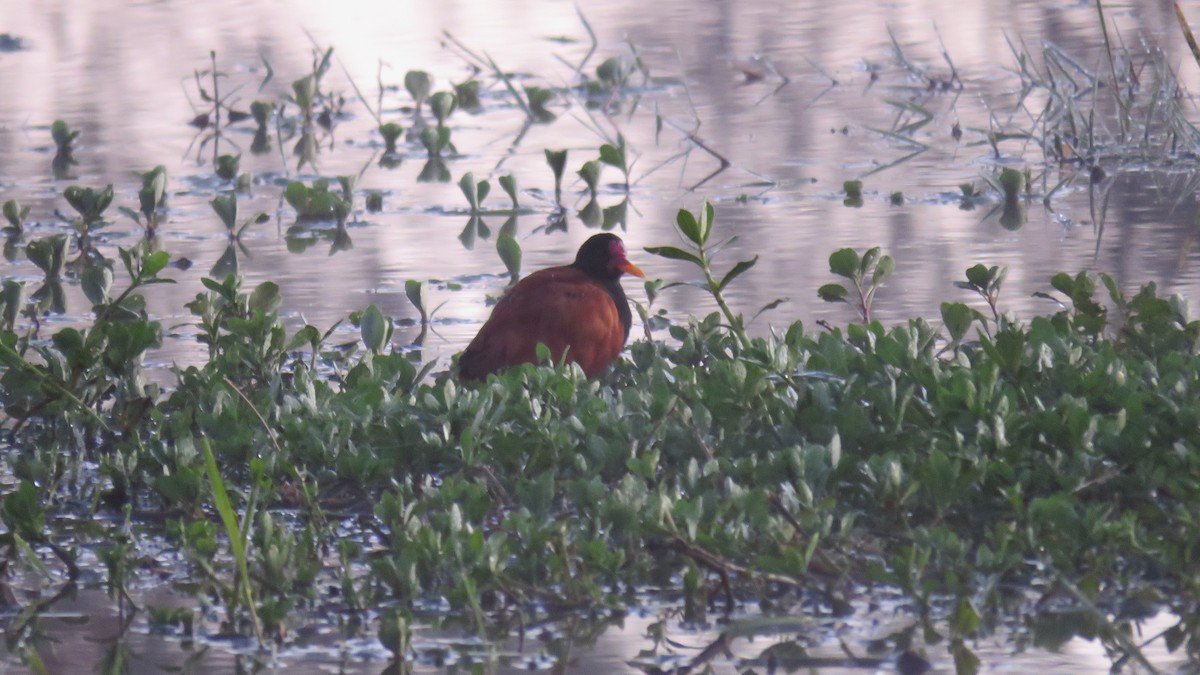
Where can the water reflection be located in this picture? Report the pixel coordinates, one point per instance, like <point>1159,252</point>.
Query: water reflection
<point>786,140</point>
<point>84,630</point>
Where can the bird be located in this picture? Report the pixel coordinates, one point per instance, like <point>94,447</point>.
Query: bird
<point>577,310</point>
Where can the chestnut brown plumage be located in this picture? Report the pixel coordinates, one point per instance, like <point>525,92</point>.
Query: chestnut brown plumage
<point>577,309</point>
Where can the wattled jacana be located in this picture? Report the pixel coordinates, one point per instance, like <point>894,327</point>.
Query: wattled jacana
<point>577,309</point>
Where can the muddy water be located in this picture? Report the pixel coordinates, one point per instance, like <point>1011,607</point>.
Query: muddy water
<point>832,89</point>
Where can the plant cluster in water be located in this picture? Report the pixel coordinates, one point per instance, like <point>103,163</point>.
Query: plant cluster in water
<point>792,471</point>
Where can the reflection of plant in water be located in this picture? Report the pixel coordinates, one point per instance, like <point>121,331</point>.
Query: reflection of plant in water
<point>476,192</point>
<point>391,132</point>
<point>537,98</point>
<point>15,215</point>
<point>227,208</point>
<point>228,167</point>
<point>261,112</point>
<point>316,201</point>
<point>435,140</point>
<point>419,84</point>
<point>418,294</point>
<point>49,254</point>
<point>211,123</point>
<point>64,149</point>
<point>442,104</point>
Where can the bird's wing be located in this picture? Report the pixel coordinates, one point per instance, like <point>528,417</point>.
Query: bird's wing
<point>560,307</point>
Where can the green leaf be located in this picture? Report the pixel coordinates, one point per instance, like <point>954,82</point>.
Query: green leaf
<point>23,513</point>
<point>435,139</point>
<point>979,276</point>
<point>710,216</point>
<point>689,226</point>
<point>610,71</point>
<point>509,184</point>
<point>237,544</point>
<point>375,329</point>
<point>226,207</point>
<point>156,180</point>
<point>539,98</point>
<point>590,173</point>
<point>868,259</point>
<point>15,214</point>
<point>154,263</point>
<point>614,155</point>
<point>958,319</point>
<point>1012,181</point>
<point>150,197</point>
<point>88,203</point>
<point>305,90</point>
<point>12,298</point>
<point>966,619</point>
<point>49,254</point>
<point>296,195</point>
<point>265,298</point>
<point>228,166</point>
<point>883,270</point>
<point>1057,512</point>
<point>308,335</point>
<point>129,258</point>
<point>832,293</point>
<point>261,111</point>
<point>771,305</point>
<point>510,252</point>
<point>1063,283</point>
<point>737,270</point>
<point>844,263</point>
<point>418,84</point>
<point>62,134</point>
<point>442,104</point>
<point>674,254</point>
<point>557,159</point>
<point>418,295</point>
<point>127,342</point>
<point>1009,351</point>
<point>390,132</point>
<point>469,190</point>
<point>130,213</point>
<point>468,94</point>
<point>96,282</point>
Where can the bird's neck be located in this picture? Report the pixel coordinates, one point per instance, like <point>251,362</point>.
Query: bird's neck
<point>614,290</point>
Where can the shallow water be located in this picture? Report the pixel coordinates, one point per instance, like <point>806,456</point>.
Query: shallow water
<point>122,73</point>
<point>86,629</point>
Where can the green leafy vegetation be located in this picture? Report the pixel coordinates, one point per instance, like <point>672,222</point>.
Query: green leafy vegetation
<point>1056,453</point>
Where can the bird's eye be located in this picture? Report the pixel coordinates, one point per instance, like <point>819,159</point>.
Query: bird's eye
<point>616,249</point>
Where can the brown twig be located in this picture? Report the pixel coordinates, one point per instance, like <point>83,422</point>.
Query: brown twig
<point>723,567</point>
